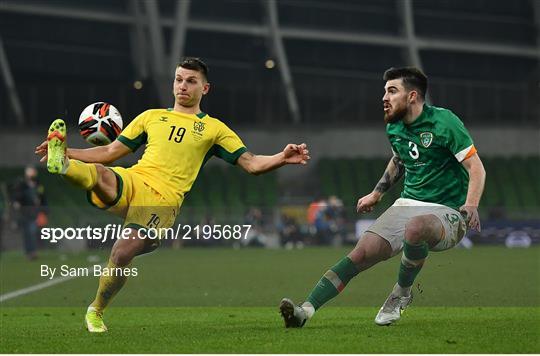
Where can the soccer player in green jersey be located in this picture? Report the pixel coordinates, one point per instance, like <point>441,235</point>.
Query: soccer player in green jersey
<point>444,180</point>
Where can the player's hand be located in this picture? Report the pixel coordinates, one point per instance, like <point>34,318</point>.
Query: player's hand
<point>41,150</point>
<point>471,217</point>
<point>368,202</point>
<point>296,154</point>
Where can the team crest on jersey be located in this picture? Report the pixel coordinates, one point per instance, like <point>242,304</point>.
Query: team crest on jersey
<point>426,138</point>
<point>198,126</point>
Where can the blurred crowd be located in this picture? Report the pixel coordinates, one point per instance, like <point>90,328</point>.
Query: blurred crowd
<point>321,224</point>
<point>325,225</point>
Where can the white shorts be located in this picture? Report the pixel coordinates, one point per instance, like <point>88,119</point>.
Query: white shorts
<point>391,224</point>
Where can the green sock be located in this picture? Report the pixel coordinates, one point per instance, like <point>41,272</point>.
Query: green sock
<point>412,261</point>
<point>333,282</point>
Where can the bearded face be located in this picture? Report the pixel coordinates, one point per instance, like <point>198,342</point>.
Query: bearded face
<point>395,113</point>
<point>395,103</point>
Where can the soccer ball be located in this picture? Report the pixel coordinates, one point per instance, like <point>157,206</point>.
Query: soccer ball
<point>100,123</point>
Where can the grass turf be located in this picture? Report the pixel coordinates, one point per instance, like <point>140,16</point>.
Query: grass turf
<point>259,330</point>
<point>484,300</point>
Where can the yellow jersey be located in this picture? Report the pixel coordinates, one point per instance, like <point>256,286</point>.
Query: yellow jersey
<point>177,146</point>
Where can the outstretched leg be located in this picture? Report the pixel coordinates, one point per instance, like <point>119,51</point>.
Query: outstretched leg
<point>370,250</point>
<point>103,182</point>
<point>421,233</point>
<point>113,278</point>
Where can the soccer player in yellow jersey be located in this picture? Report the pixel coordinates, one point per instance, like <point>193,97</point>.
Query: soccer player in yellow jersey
<point>149,194</point>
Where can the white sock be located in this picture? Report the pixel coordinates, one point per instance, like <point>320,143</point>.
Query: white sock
<point>309,309</point>
<point>65,166</point>
<point>401,291</point>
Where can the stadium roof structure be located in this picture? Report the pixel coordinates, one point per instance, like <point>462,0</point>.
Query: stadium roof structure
<point>281,61</point>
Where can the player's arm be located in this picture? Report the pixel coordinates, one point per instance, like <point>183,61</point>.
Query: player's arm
<point>100,154</point>
<point>460,143</point>
<point>477,178</point>
<point>393,172</point>
<point>258,164</point>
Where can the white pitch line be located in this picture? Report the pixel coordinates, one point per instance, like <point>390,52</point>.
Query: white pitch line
<point>34,288</point>
<point>43,285</point>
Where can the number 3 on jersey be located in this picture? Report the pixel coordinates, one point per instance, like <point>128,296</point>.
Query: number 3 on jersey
<point>413,150</point>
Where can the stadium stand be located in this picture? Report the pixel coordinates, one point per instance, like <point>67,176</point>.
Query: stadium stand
<point>512,183</point>
<point>336,76</point>
<point>512,189</point>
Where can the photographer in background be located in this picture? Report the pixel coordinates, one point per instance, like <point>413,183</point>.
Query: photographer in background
<point>29,208</point>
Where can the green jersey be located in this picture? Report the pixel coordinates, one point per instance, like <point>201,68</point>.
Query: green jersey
<point>432,149</point>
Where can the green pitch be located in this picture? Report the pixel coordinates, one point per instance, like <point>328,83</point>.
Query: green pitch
<point>484,300</point>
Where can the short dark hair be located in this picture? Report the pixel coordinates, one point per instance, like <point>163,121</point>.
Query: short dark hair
<point>413,78</point>
<point>195,64</point>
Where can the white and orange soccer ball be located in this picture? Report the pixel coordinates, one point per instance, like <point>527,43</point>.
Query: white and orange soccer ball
<point>100,123</point>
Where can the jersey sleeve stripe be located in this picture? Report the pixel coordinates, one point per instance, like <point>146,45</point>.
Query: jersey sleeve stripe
<point>230,157</point>
<point>465,153</point>
<point>135,143</point>
<point>471,153</point>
